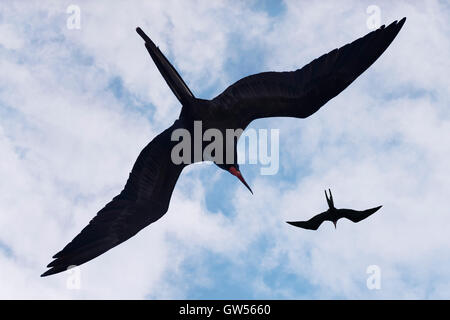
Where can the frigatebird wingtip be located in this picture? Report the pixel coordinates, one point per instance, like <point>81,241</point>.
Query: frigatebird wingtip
<point>53,270</point>
<point>45,274</point>
<point>49,272</point>
<point>298,224</point>
<point>401,23</point>
<point>373,210</point>
<point>293,223</point>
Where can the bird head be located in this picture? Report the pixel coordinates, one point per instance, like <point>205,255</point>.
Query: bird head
<point>234,170</point>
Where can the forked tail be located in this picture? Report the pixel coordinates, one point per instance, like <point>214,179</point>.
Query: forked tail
<point>172,77</point>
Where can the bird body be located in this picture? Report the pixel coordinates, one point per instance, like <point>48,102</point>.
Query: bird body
<point>333,215</point>
<point>146,195</point>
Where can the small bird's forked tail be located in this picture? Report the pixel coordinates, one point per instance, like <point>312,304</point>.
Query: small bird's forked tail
<point>169,73</point>
<point>330,199</point>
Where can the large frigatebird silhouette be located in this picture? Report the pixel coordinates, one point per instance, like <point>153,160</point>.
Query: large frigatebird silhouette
<point>146,195</point>
<point>333,215</point>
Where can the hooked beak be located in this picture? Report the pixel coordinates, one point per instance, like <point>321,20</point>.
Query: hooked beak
<point>238,175</point>
<point>335,223</point>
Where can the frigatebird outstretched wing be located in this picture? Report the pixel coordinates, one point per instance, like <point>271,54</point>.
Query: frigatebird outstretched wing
<point>312,224</point>
<point>144,200</point>
<point>302,92</point>
<point>357,216</point>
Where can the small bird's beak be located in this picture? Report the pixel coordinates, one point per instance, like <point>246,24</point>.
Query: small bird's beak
<point>335,223</point>
<point>238,175</point>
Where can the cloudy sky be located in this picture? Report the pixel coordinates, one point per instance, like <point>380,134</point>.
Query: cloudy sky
<point>78,105</point>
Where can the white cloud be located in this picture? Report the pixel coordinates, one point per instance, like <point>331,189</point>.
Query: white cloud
<point>9,38</point>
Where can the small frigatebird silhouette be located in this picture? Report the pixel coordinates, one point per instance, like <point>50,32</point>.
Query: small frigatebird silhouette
<point>333,215</point>
<point>146,195</point>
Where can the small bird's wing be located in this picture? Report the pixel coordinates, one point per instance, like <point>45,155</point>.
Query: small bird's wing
<point>357,216</point>
<point>312,224</point>
<point>144,200</point>
<point>302,92</point>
